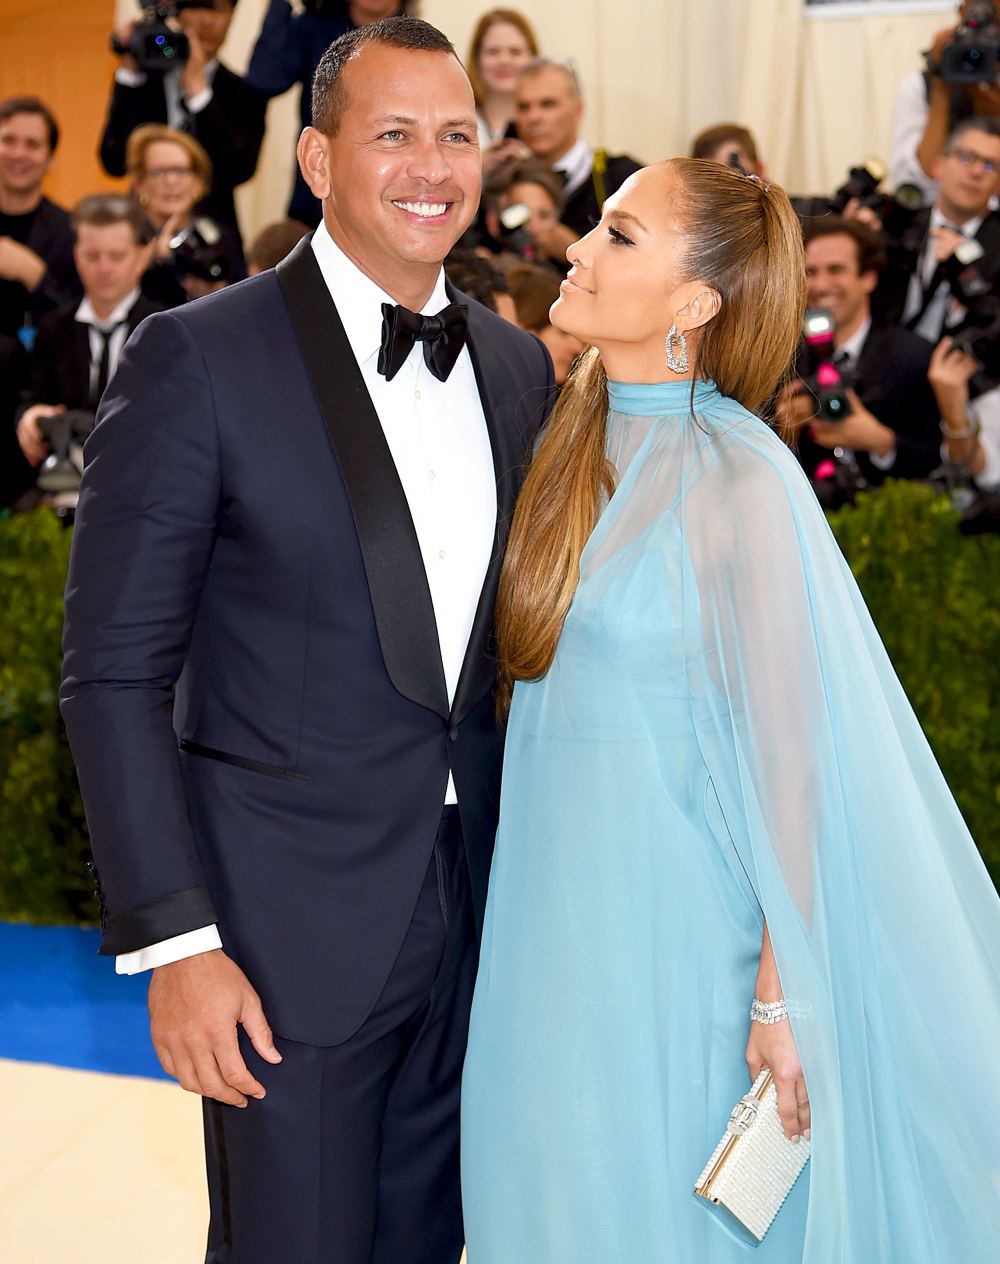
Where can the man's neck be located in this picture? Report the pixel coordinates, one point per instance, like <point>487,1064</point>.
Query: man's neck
<point>410,288</point>
<point>955,214</point>
<point>562,153</point>
<point>844,333</point>
<point>102,310</point>
<point>15,202</point>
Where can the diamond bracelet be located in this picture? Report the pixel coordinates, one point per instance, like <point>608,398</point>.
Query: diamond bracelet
<point>768,1012</point>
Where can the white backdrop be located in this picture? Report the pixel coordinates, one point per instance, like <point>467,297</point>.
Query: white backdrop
<point>817,93</point>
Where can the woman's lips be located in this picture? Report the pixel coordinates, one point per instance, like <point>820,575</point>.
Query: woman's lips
<point>570,284</point>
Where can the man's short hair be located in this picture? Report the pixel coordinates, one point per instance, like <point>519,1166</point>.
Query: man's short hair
<point>329,96</point>
<point>475,276</point>
<point>564,64</point>
<point>103,209</point>
<point>988,124</point>
<point>871,252</point>
<point>530,171</point>
<point>708,142</point>
<point>31,105</point>
<point>534,289</point>
<point>274,242</point>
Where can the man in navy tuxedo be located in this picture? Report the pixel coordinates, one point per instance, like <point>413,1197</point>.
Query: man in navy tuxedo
<point>279,684</point>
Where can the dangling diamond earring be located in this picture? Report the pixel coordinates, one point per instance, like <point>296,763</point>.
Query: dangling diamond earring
<point>677,356</point>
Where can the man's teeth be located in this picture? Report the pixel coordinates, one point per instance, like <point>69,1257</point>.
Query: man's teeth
<point>427,209</point>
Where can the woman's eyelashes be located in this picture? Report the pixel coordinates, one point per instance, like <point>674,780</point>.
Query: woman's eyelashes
<point>618,237</point>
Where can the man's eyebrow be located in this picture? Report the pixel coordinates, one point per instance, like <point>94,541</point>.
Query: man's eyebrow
<point>466,121</point>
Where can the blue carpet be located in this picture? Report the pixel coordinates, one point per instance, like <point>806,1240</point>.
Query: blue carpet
<point>62,1004</point>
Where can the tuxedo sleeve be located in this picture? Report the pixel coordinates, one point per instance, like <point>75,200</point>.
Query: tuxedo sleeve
<point>917,422</point>
<point>277,63</point>
<point>145,528</point>
<point>131,106</point>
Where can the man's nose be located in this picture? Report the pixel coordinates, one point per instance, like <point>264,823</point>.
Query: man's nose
<point>431,162</point>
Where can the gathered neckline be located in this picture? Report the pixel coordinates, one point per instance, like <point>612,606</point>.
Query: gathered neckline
<point>649,399</point>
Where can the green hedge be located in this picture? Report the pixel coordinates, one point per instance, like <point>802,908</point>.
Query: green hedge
<point>932,592</point>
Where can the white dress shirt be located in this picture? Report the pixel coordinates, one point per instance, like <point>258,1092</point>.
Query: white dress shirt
<point>178,107</point>
<point>86,315</point>
<point>437,435</point>
<point>942,310</point>
<point>576,164</point>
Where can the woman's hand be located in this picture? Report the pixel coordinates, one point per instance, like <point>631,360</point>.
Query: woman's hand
<point>772,1045</point>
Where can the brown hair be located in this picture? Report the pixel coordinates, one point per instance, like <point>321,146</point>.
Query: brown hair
<point>490,19</point>
<point>743,240</point>
<point>329,96</point>
<point>871,252</point>
<point>528,171</point>
<point>149,134</point>
<point>274,242</point>
<point>707,142</point>
<point>103,209</point>
<point>534,289</point>
<point>32,105</point>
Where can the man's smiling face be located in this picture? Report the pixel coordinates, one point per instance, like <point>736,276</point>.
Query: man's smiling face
<point>405,172</point>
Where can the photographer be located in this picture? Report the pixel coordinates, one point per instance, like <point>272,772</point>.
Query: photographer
<point>202,98</point>
<point>927,264</point>
<point>549,113</point>
<point>928,108</point>
<point>970,428</point>
<point>36,241</point>
<point>291,42</point>
<point>522,211</point>
<point>892,426</point>
<point>190,255</point>
<point>78,346</point>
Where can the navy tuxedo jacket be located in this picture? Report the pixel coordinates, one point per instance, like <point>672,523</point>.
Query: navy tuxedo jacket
<point>253,685</point>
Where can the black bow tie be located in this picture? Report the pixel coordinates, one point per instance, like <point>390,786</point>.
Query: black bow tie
<point>443,337</point>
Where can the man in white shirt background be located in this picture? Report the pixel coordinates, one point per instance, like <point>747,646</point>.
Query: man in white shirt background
<point>278,680</point>
<point>78,346</point>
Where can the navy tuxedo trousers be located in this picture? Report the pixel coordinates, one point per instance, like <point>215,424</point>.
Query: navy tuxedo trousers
<point>352,1157</point>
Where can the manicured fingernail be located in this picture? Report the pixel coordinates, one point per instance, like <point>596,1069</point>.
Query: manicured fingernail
<point>259,1096</point>
<point>807,1133</point>
<point>795,1139</point>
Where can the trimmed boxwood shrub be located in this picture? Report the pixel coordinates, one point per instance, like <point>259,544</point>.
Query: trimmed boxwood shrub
<point>933,594</point>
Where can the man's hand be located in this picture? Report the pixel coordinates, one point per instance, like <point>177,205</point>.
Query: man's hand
<point>866,215</point>
<point>794,409</point>
<point>194,1008</point>
<point>123,35</point>
<point>194,79</point>
<point>861,431</point>
<point>555,239</point>
<point>949,374</point>
<point>29,432</point>
<point>19,263</point>
<point>945,241</point>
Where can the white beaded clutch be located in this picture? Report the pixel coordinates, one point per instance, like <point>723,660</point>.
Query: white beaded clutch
<point>754,1166</point>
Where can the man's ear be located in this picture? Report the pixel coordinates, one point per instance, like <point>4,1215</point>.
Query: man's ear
<point>314,161</point>
<point>869,280</point>
<point>695,304</point>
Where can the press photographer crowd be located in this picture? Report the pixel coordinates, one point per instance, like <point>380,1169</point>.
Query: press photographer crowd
<point>899,370</point>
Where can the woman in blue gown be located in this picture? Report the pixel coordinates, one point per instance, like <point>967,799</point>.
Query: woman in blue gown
<point>714,789</point>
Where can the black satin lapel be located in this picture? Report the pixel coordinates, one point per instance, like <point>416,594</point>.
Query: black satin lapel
<point>397,581</point>
<point>499,398</point>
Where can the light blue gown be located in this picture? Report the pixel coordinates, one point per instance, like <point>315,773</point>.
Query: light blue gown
<point>721,737</point>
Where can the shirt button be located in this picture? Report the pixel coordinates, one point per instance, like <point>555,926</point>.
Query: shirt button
<point>441,554</point>
<point>416,394</point>
<point>432,474</point>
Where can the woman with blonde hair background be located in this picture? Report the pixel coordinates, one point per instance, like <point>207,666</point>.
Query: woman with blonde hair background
<point>170,174</point>
<point>503,42</point>
<point>715,797</point>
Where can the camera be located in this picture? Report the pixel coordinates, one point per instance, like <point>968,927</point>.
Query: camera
<point>197,251</point>
<point>156,43</point>
<point>861,183</point>
<point>62,469</point>
<point>823,380</point>
<point>973,56</point>
<point>514,233</point>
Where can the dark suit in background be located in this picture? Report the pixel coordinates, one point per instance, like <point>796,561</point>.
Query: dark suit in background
<point>60,363</point>
<point>48,232</point>
<point>256,701</point>
<point>891,382</point>
<point>230,129</point>
<point>584,205</point>
<point>16,475</point>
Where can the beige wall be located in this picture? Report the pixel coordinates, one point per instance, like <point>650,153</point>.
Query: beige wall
<point>818,93</point>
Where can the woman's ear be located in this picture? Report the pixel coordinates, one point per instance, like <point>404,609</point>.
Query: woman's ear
<point>698,304</point>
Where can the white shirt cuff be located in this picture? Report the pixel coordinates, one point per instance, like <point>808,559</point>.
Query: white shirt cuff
<point>884,462</point>
<point>197,103</point>
<point>129,78</point>
<point>190,944</point>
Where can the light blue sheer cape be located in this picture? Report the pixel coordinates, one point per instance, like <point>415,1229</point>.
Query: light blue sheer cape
<point>721,738</point>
